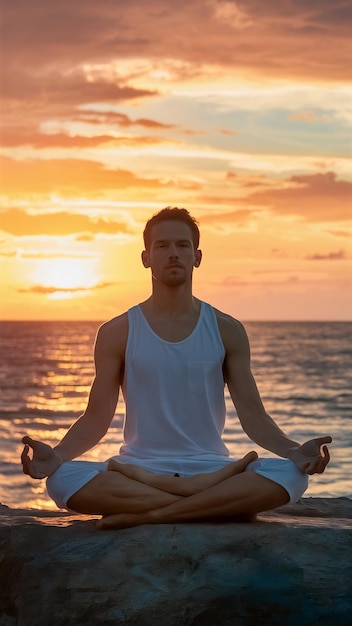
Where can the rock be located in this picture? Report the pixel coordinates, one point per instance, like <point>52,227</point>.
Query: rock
<point>292,566</point>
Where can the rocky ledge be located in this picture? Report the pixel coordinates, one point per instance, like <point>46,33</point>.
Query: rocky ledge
<point>292,566</point>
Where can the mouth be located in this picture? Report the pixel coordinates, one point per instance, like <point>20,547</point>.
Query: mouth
<point>173,266</point>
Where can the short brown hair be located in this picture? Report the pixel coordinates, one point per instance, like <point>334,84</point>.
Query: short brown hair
<point>171,214</point>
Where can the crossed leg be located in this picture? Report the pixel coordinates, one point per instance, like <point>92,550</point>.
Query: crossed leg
<point>242,495</point>
<point>111,492</point>
<point>130,489</point>
<point>125,501</point>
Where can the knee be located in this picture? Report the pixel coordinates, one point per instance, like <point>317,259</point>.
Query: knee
<point>69,478</point>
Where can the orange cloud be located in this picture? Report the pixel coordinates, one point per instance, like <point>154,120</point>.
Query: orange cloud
<point>68,176</point>
<point>21,137</point>
<point>341,233</point>
<point>8,254</point>
<point>331,256</point>
<point>85,237</point>
<point>236,281</point>
<point>253,181</point>
<point>19,223</point>
<point>227,132</point>
<point>242,216</point>
<point>121,119</point>
<point>54,255</point>
<point>44,290</point>
<point>308,116</point>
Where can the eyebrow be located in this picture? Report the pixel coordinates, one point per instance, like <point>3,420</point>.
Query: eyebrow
<point>168,240</point>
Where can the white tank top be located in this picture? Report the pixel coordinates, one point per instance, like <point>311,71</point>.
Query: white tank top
<point>174,391</point>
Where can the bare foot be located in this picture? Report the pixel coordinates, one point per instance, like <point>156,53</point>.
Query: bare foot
<point>131,471</point>
<point>119,521</point>
<point>204,481</point>
<point>182,486</point>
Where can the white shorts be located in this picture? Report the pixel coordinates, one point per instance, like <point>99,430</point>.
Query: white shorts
<point>73,475</point>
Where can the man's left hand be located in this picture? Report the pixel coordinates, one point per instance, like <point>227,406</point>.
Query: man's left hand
<point>313,456</point>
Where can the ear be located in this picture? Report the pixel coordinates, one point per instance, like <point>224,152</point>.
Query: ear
<point>198,258</point>
<point>145,258</point>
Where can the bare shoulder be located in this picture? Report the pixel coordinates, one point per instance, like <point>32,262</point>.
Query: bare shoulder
<point>113,334</point>
<point>232,331</point>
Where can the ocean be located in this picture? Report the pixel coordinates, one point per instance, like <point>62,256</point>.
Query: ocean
<point>303,371</point>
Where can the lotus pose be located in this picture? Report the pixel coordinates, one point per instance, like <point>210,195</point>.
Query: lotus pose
<point>172,356</point>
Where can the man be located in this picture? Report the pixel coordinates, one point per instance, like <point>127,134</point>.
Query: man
<point>172,355</point>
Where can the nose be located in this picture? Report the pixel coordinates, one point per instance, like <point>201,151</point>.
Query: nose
<point>173,251</point>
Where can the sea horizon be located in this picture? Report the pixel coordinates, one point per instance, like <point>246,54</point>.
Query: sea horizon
<point>257,321</point>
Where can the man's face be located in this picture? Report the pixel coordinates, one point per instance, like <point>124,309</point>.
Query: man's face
<point>171,255</point>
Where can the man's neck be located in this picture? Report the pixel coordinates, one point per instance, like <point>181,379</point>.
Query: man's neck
<point>172,303</point>
<point>172,319</point>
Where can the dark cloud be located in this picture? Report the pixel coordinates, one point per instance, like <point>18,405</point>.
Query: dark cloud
<point>300,37</point>
<point>54,94</point>
<point>53,53</point>
<point>49,88</point>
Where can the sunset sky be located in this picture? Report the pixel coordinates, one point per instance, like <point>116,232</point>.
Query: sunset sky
<point>240,112</point>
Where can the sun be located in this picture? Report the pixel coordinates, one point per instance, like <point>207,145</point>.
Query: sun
<point>67,274</point>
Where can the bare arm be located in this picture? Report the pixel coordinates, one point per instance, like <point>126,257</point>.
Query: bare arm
<point>89,429</point>
<point>311,457</point>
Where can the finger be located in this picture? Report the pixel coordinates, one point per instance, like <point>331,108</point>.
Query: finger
<point>30,442</point>
<point>25,459</point>
<point>27,464</point>
<point>24,454</point>
<point>31,471</point>
<point>318,466</point>
<point>326,458</point>
<point>27,467</point>
<point>314,468</point>
<point>311,467</point>
<point>322,440</point>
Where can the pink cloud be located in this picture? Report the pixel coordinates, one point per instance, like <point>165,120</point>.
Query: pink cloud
<point>315,197</point>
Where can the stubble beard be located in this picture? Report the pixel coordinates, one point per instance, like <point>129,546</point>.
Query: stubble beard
<point>172,279</point>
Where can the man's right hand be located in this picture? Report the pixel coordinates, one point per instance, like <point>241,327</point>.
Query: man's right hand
<point>44,459</point>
